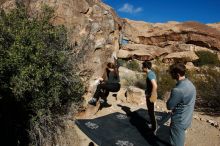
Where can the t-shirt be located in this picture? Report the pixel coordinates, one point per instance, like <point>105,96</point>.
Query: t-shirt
<point>181,102</point>
<point>112,78</point>
<point>150,76</point>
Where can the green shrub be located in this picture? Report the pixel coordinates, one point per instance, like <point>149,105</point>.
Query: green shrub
<point>139,80</point>
<point>122,62</point>
<point>133,65</point>
<point>164,81</point>
<point>207,85</point>
<point>36,71</point>
<point>207,58</point>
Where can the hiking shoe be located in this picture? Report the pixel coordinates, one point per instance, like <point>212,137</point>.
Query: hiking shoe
<point>103,103</point>
<point>92,102</point>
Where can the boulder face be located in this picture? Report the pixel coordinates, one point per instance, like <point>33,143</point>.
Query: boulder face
<point>188,56</point>
<point>135,95</point>
<point>141,52</point>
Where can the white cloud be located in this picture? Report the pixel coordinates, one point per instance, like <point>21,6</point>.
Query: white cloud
<point>128,8</point>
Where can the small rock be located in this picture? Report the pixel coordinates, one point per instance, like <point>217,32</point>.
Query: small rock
<point>216,125</point>
<point>196,117</point>
<point>210,121</point>
<point>202,119</point>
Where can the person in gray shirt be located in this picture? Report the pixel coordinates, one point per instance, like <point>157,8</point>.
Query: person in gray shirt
<point>181,102</point>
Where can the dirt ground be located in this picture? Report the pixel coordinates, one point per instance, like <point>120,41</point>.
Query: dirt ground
<point>201,133</point>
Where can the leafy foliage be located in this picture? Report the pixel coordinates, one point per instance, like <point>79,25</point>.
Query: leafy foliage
<point>207,58</point>
<point>122,62</point>
<point>139,80</point>
<point>207,85</point>
<point>164,81</point>
<point>131,64</point>
<point>35,64</point>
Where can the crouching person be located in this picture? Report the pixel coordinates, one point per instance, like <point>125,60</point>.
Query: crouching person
<point>111,84</point>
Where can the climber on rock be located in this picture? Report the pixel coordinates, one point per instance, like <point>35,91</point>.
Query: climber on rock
<point>108,83</point>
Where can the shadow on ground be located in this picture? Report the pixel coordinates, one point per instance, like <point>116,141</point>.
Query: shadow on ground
<point>128,129</point>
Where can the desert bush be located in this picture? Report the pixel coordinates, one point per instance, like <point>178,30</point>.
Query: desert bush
<point>139,80</point>
<point>122,62</point>
<point>36,71</point>
<point>164,81</point>
<point>133,65</point>
<point>207,58</point>
<point>206,81</point>
<point>207,85</point>
<point>130,64</point>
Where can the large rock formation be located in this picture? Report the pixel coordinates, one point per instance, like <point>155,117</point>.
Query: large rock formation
<point>166,34</point>
<point>95,32</point>
<point>188,56</point>
<point>165,38</point>
<point>141,52</point>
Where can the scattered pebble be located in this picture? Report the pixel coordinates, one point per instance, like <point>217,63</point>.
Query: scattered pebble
<point>211,122</point>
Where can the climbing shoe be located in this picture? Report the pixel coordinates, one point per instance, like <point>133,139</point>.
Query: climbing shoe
<point>92,102</point>
<point>104,103</point>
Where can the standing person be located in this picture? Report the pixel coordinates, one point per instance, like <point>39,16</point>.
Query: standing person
<point>108,83</point>
<point>151,93</point>
<point>181,102</point>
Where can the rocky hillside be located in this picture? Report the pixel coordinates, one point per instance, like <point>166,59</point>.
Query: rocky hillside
<point>148,40</point>
<point>96,32</point>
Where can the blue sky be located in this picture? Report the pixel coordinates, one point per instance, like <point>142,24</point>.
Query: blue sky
<point>204,11</point>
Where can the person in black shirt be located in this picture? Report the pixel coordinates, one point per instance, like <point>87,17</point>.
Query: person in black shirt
<point>108,83</point>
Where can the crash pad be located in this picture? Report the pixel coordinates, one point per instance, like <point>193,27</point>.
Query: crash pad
<point>126,129</point>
